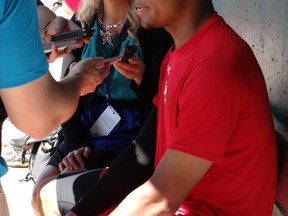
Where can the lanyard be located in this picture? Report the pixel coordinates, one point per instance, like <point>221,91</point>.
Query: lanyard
<point>107,81</point>
<point>88,98</point>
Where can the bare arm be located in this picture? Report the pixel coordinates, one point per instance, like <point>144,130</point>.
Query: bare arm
<point>40,106</point>
<point>164,192</point>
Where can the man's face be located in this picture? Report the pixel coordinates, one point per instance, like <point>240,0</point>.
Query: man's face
<point>159,13</point>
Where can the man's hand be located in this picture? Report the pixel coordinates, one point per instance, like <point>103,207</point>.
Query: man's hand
<point>60,25</point>
<point>74,160</point>
<point>90,73</point>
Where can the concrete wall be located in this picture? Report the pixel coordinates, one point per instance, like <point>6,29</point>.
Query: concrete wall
<point>264,25</point>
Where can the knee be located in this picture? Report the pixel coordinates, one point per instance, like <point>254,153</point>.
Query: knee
<point>36,200</point>
<point>48,199</point>
<point>42,194</point>
<point>47,175</point>
<point>36,190</point>
<point>35,196</point>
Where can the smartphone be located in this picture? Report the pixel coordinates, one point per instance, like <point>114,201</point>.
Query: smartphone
<point>72,35</point>
<point>61,45</point>
<point>128,53</point>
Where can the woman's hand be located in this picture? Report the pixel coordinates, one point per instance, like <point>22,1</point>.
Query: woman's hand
<point>132,70</point>
<point>51,57</point>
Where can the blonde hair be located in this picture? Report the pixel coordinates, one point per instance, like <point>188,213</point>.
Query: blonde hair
<point>88,8</point>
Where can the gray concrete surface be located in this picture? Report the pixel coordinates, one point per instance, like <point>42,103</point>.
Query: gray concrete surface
<point>263,24</point>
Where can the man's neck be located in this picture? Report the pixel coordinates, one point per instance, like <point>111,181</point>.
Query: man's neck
<point>189,22</point>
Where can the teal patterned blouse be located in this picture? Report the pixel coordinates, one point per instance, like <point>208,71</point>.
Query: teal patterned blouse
<point>116,86</point>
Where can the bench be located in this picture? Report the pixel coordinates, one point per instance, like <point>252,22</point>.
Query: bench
<point>281,199</point>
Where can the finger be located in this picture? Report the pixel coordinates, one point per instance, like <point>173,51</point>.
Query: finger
<point>87,152</point>
<point>78,158</point>
<point>105,70</point>
<point>70,162</point>
<point>54,54</point>
<point>61,166</point>
<point>135,60</point>
<point>65,163</point>
<point>62,54</point>
<point>88,65</point>
<point>79,44</point>
<point>86,40</point>
<point>99,63</point>
<point>130,74</point>
<point>128,66</point>
<point>60,25</point>
<point>73,163</point>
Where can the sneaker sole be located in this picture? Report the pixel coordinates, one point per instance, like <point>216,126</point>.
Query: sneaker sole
<point>17,165</point>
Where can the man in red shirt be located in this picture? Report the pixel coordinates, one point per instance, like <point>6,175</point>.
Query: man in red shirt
<point>215,151</point>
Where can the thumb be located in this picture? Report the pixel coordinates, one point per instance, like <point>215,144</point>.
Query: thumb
<point>87,152</point>
<point>61,167</point>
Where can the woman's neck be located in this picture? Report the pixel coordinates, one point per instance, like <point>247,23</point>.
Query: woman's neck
<point>114,11</point>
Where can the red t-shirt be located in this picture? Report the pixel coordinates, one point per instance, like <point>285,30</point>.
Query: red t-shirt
<point>213,104</point>
<point>73,4</point>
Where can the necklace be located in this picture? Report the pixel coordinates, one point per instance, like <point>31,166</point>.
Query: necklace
<point>108,35</point>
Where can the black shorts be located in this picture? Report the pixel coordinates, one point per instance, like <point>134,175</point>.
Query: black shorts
<point>71,187</point>
<point>57,156</point>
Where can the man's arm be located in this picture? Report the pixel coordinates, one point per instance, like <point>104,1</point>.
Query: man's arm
<point>34,101</point>
<point>164,192</point>
<point>38,107</point>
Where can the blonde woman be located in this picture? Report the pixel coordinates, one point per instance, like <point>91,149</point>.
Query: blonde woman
<point>122,101</point>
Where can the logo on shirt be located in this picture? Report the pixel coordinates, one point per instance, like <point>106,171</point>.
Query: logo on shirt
<point>168,69</point>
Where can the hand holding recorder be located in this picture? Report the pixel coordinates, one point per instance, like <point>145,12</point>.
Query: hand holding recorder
<point>62,35</point>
